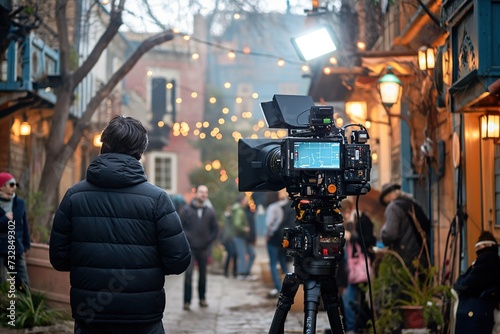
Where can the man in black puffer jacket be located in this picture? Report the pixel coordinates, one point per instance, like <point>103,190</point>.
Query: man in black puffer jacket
<point>119,236</point>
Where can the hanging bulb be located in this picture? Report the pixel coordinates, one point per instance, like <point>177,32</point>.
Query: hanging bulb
<point>25,129</point>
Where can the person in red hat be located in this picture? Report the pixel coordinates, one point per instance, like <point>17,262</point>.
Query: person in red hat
<point>478,289</point>
<point>14,233</point>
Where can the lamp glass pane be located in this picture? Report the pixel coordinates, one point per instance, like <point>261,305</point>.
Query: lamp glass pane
<point>315,44</point>
<point>484,126</point>
<point>389,92</point>
<point>422,60</point>
<point>493,126</point>
<point>431,60</point>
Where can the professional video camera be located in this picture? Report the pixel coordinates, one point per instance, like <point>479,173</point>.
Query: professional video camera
<point>319,167</point>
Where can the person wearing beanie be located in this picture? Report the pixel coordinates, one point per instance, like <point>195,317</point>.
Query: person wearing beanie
<point>13,222</point>
<point>478,289</point>
<point>406,228</point>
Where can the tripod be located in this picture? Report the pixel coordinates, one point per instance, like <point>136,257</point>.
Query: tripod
<point>317,272</point>
<point>314,287</point>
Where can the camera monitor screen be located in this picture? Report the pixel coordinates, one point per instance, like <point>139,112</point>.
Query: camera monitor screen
<point>316,155</point>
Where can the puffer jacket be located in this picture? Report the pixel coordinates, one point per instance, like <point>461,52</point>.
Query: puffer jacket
<point>119,236</point>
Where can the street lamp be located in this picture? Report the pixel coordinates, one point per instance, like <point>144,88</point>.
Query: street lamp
<point>426,58</point>
<point>490,126</point>
<point>390,88</point>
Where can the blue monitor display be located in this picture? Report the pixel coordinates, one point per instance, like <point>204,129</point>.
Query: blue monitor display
<point>316,155</point>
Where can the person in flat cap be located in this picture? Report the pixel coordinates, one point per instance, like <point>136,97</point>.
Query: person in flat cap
<point>478,289</point>
<point>406,228</point>
<point>14,232</point>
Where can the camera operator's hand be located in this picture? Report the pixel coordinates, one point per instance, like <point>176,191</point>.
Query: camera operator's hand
<point>347,235</point>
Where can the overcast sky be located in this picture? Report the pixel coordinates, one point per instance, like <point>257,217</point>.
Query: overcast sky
<point>177,15</point>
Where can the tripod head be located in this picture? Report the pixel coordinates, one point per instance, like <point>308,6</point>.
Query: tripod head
<point>317,241</point>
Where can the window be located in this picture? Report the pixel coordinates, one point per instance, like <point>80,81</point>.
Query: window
<point>163,170</point>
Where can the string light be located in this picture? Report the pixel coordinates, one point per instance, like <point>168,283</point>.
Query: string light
<point>184,130</point>
<point>245,51</point>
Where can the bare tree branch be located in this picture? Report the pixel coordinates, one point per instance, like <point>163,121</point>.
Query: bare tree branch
<point>111,31</point>
<point>106,89</point>
<point>62,30</point>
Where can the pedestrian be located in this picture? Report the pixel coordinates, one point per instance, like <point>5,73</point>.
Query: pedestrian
<point>243,237</point>
<point>359,249</point>
<point>14,233</point>
<point>478,289</point>
<point>200,225</point>
<point>179,202</point>
<point>227,239</point>
<point>118,236</point>
<point>279,215</point>
<point>406,229</point>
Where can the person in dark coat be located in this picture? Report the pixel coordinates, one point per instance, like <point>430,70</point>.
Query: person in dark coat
<point>478,289</point>
<point>118,236</point>
<point>407,228</point>
<point>200,225</point>
<point>14,233</point>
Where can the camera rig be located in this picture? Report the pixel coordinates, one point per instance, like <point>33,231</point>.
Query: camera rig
<point>319,165</point>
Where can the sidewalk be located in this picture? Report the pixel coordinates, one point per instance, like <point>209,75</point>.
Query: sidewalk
<point>234,306</point>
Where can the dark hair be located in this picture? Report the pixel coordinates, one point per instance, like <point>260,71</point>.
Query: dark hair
<point>124,135</point>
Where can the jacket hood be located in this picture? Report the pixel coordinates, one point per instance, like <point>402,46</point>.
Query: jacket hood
<point>115,170</point>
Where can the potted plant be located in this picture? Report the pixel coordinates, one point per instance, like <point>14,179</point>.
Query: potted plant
<point>417,295</point>
<point>31,311</point>
<point>44,278</point>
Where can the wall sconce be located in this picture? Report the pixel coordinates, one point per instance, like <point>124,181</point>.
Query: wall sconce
<point>390,88</point>
<point>97,140</point>
<point>426,58</point>
<point>25,127</point>
<point>356,110</point>
<point>490,126</point>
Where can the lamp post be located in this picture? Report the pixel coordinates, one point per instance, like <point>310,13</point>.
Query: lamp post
<point>390,88</point>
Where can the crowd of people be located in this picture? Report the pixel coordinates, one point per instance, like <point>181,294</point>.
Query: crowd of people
<point>147,234</point>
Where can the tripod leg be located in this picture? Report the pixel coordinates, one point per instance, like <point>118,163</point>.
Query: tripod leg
<point>331,302</point>
<point>312,289</point>
<point>289,288</point>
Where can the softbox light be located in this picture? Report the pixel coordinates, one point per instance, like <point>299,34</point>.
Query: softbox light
<point>314,44</point>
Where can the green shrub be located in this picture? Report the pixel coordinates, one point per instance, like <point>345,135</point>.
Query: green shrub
<point>31,308</point>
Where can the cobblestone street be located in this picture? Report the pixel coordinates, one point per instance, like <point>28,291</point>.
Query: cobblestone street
<point>234,306</point>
